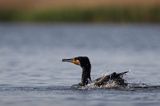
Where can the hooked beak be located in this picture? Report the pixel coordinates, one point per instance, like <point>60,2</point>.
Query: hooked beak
<point>72,60</point>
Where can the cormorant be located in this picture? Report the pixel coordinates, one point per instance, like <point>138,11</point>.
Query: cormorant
<point>84,62</point>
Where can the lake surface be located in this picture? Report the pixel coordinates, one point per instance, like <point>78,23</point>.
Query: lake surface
<point>31,71</point>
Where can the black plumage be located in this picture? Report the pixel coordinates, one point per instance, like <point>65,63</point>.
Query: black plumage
<point>85,64</point>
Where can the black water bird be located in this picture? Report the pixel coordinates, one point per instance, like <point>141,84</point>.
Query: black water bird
<point>85,64</point>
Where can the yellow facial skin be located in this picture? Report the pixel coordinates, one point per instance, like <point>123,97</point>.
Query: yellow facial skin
<point>77,62</point>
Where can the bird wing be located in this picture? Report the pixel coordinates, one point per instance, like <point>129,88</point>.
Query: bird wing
<point>99,81</point>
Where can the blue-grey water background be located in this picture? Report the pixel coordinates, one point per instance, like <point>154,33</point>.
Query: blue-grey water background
<point>31,71</point>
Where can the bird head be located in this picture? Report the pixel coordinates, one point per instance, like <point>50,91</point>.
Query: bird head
<point>83,61</point>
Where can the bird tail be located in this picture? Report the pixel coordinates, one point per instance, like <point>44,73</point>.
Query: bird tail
<point>115,75</point>
<point>122,73</point>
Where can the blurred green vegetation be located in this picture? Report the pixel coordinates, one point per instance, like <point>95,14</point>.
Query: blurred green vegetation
<point>99,14</point>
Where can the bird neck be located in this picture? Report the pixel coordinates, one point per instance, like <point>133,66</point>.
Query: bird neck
<point>86,75</point>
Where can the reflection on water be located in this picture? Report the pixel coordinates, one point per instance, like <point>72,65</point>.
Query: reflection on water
<point>31,71</point>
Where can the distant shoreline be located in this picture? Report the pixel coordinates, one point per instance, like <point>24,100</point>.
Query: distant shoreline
<point>111,14</point>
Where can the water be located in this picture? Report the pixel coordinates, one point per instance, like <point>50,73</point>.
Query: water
<point>31,71</point>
